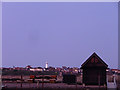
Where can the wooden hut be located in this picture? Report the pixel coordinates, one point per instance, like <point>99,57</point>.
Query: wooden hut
<point>94,71</point>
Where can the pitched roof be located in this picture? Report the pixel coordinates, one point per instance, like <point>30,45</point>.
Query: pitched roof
<point>94,55</point>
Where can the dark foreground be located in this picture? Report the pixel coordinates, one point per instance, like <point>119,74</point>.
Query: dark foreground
<point>85,88</point>
<point>50,86</point>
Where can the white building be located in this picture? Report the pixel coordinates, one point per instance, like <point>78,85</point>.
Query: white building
<point>46,65</point>
<point>36,69</point>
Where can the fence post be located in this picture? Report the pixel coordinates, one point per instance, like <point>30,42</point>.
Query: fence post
<point>21,80</point>
<point>42,82</point>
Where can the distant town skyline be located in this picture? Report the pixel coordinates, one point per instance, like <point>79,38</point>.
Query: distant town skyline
<point>63,34</point>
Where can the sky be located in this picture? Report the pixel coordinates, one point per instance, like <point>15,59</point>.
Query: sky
<point>63,34</point>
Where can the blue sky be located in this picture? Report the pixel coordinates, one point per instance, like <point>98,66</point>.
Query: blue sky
<point>63,34</point>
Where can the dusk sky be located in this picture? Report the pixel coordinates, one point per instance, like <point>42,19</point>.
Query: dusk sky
<point>63,34</point>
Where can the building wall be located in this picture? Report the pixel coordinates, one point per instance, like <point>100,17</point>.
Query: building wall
<point>95,76</point>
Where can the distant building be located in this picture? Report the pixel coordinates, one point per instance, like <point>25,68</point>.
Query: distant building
<point>114,71</point>
<point>118,72</point>
<point>94,71</point>
<point>36,69</point>
<point>51,68</point>
<point>64,68</point>
<point>58,69</point>
<point>28,67</point>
